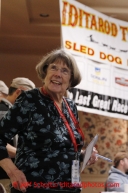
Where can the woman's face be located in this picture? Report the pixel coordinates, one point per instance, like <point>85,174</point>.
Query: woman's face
<point>58,77</point>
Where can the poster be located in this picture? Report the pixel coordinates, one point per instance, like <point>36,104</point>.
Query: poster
<point>100,46</point>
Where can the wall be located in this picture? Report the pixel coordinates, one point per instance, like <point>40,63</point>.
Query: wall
<point>12,66</point>
<point>112,138</point>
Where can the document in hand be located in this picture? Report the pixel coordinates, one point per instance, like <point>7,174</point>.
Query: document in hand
<point>88,152</point>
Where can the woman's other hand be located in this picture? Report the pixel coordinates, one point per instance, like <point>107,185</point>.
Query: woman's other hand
<point>93,157</point>
<point>16,176</point>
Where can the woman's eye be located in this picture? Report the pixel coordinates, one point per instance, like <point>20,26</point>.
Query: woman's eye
<point>65,70</point>
<point>53,67</point>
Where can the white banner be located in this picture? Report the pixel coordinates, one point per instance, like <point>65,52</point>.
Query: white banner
<point>100,46</point>
<point>103,89</point>
<point>94,35</point>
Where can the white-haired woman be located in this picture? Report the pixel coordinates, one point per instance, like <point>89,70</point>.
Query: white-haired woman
<point>50,139</point>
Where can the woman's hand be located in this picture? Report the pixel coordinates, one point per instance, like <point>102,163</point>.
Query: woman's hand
<point>19,180</point>
<point>16,176</point>
<point>93,157</point>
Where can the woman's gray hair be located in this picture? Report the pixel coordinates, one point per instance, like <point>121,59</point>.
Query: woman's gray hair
<point>67,58</point>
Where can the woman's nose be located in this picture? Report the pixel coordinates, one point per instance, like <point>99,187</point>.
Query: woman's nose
<point>58,72</point>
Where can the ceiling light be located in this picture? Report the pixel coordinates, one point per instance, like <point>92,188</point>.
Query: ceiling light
<point>44,15</point>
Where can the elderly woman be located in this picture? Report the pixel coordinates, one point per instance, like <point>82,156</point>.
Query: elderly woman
<point>50,139</point>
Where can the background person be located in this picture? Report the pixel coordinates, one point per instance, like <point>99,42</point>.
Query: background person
<point>18,85</point>
<point>7,100</point>
<point>3,90</point>
<point>50,139</point>
<point>117,175</point>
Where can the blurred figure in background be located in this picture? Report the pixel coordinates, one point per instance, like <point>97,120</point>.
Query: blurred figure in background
<point>117,175</point>
<point>3,90</point>
<point>8,97</point>
<point>17,86</point>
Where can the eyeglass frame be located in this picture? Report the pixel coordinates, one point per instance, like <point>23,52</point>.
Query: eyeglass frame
<point>54,68</point>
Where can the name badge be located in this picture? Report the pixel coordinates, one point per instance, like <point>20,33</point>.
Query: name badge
<point>75,172</point>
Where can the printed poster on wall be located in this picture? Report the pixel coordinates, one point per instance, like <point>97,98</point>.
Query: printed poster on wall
<point>100,46</point>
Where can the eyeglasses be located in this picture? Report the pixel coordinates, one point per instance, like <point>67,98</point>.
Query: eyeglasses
<point>64,71</point>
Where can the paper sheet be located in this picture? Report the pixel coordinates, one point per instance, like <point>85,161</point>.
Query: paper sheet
<point>88,152</point>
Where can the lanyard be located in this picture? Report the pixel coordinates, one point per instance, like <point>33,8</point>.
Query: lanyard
<point>74,120</point>
<point>66,122</point>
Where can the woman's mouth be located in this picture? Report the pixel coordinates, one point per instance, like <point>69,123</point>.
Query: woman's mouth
<point>56,82</point>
